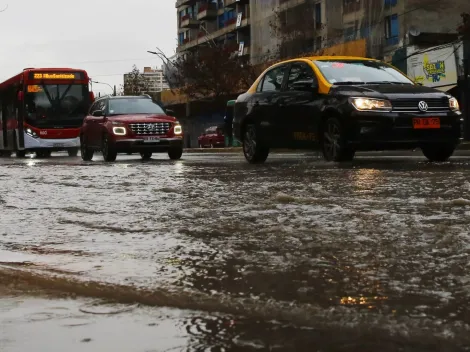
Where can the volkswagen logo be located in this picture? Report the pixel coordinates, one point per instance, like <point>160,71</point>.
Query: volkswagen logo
<point>423,106</point>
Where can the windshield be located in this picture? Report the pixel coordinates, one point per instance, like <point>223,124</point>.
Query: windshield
<point>129,106</point>
<point>360,72</point>
<point>56,105</point>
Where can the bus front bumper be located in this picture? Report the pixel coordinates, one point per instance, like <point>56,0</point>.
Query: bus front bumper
<point>31,143</point>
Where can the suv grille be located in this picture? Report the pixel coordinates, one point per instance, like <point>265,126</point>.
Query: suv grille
<point>152,128</point>
<point>411,105</point>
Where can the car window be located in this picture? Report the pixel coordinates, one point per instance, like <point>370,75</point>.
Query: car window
<point>360,71</point>
<point>300,71</point>
<point>272,81</point>
<point>124,106</point>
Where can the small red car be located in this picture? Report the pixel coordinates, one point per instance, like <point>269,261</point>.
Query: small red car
<point>212,137</point>
<point>127,124</point>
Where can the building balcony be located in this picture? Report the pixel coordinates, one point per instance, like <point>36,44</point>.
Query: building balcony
<point>180,3</point>
<point>189,22</point>
<point>207,12</point>
<point>233,3</point>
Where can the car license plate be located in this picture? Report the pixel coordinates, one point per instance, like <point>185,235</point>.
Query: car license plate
<point>426,122</point>
<point>58,145</point>
<point>151,139</point>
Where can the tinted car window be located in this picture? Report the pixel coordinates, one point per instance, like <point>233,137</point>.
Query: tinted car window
<point>300,72</point>
<point>337,71</point>
<point>125,106</point>
<point>272,81</point>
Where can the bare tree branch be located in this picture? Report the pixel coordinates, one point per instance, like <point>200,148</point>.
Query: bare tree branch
<point>135,83</point>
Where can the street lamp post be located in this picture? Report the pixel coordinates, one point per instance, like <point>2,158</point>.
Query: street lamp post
<point>113,89</point>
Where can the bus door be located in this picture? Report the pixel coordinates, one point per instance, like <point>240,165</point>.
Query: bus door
<point>19,117</point>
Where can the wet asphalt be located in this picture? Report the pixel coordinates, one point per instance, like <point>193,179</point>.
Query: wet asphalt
<point>297,251</point>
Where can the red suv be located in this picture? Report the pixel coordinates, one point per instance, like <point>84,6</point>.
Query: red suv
<point>127,124</point>
<point>212,137</point>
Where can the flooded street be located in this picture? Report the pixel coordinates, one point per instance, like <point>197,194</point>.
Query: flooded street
<point>295,252</point>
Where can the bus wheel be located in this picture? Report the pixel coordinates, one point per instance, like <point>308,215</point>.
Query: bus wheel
<point>43,154</point>
<point>73,152</point>
<point>21,153</point>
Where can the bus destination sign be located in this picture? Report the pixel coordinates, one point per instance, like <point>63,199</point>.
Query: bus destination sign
<point>55,75</point>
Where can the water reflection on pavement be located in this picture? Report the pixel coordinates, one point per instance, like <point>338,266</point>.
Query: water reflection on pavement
<point>380,243</point>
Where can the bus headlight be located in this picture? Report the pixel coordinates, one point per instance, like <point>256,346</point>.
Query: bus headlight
<point>178,129</point>
<point>119,131</point>
<point>31,133</point>
<point>454,104</point>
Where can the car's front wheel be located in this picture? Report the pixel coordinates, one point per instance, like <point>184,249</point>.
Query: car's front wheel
<point>108,149</point>
<point>253,149</point>
<point>146,155</point>
<point>438,152</point>
<point>334,144</point>
<point>21,154</point>
<point>175,153</point>
<point>43,154</point>
<point>85,152</point>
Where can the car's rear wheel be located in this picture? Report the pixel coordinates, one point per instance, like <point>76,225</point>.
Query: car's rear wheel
<point>73,152</point>
<point>200,146</point>
<point>108,149</point>
<point>253,149</point>
<point>85,152</point>
<point>146,155</point>
<point>334,144</point>
<point>438,152</point>
<point>175,153</point>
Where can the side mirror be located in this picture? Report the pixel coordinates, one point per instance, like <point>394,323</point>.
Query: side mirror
<point>308,85</point>
<point>170,112</point>
<point>98,113</point>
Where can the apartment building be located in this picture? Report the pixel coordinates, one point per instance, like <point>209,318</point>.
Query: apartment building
<point>391,25</point>
<point>156,81</point>
<point>216,21</point>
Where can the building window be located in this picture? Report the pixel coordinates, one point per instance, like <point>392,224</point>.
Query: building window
<point>351,6</point>
<point>390,3</point>
<point>391,29</point>
<point>318,22</point>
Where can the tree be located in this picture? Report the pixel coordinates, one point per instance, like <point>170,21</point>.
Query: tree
<point>212,72</point>
<point>297,32</point>
<point>135,83</point>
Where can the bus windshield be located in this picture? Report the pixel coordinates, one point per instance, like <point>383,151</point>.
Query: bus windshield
<point>56,105</point>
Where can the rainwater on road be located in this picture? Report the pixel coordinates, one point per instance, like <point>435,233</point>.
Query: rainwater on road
<point>298,251</point>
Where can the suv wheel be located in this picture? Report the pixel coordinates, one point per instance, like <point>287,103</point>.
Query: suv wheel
<point>175,153</point>
<point>253,150</point>
<point>43,154</point>
<point>334,144</point>
<point>21,154</point>
<point>145,155</point>
<point>109,152</point>
<point>438,152</point>
<point>85,152</point>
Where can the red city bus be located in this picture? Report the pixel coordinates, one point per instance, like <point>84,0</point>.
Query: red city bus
<point>42,110</point>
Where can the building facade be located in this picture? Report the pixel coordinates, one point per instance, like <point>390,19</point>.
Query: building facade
<point>155,80</point>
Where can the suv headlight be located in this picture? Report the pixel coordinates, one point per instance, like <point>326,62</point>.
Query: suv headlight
<point>119,131</point>
<point>31,133</point>
<point>454,104</point>
<point>365,104</point>
<point>178,129</point>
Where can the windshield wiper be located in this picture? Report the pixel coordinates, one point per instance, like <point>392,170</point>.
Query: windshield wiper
<point>386,82</point>
<point>348,83</point>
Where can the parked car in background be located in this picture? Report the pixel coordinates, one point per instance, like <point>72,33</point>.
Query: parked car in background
<point>213,137</point>
<point>126,124</point>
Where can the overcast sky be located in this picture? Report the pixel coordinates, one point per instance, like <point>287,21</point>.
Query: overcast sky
<point>104,37</point>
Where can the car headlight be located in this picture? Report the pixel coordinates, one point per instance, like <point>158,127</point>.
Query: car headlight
<point>31,133</point>
<point>454,104</point>
<point>119,131</point>
<point>364,104</point>
<point>178,129</point>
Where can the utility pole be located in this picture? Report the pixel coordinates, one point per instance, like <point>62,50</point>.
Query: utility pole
<point>114,90</point>
<point>464,30</point>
